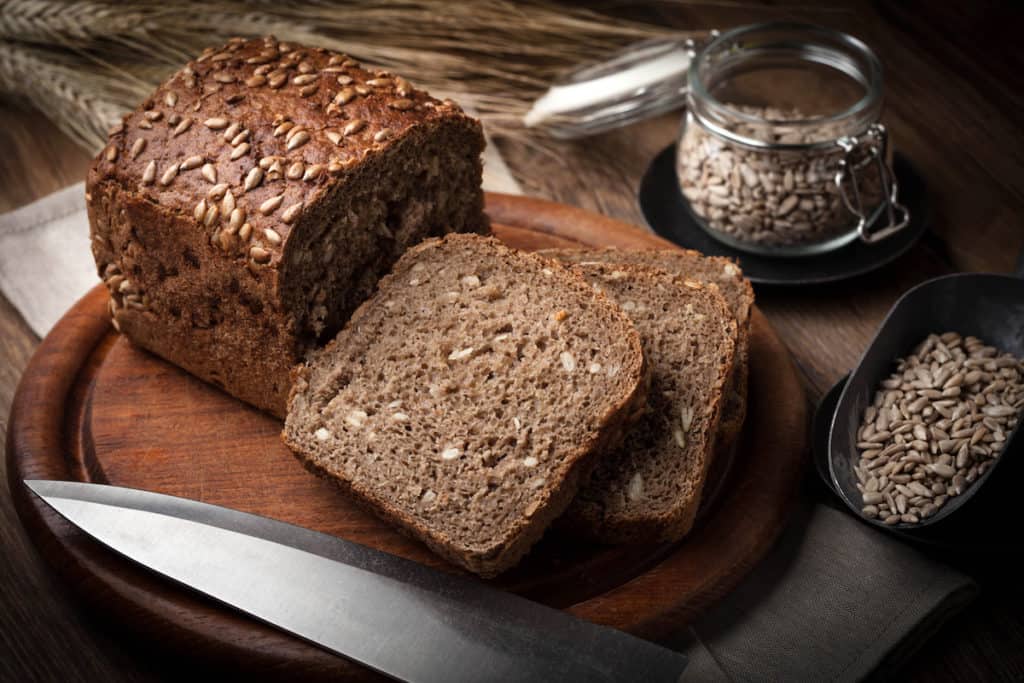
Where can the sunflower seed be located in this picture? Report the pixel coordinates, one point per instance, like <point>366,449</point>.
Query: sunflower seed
<point>240,151</point>
<point>182,126</point>
<point>137,147</point>
<point>212,213</point>
<point>353,127</point>
<point>209,172</point>
<point>271,205</point>
<point>259,255</point>
<point>345,95</point>
<point>928,444</point>
<point>200,210</point>
<point>227,204</point>
<point>253,178</point>
<point>149,174</point>
<point>297,141</point>
<point>291,213</point>
<point>169,175</point>
<point>192,162</point>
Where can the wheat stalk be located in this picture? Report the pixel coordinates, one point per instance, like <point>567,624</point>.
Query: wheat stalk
<point>495,56</point>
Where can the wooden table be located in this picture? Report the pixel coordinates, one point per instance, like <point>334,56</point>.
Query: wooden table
<point>954,107</point>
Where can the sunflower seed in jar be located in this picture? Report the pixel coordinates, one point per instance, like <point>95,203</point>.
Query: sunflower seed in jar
<point>772,198</point>
<point>920,446</point>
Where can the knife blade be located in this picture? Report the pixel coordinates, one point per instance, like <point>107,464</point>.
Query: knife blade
<point>390,614</point>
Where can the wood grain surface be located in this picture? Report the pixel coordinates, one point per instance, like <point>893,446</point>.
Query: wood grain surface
<point>92,407</point>
<point>953,106</point>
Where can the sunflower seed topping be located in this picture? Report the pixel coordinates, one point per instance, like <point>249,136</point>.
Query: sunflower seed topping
<point>240,151</point>
<point>401,105</point>
<point>305,79</point>
<point>192,162</point>
<point>253,178</point>
<point>216,123</point>
<point>227,205</point>
<point>209,172</point>
<point>137,147</point>
<point>171,98</point>
<point>353,127</point>
<point>200,210</point>
<point>149,174</point>
<point>182,126</point>
<point>259,255</point>
<point>382,135</point>
<point>345,95</point>
<point>291,213</point>
<point>271,205</point>
<point>169,175</point>
<point>298,140</point>
<point>272,236</point>
<point>212,213</point>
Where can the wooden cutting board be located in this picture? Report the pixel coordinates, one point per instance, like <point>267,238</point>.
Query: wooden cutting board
<point>92,407</point>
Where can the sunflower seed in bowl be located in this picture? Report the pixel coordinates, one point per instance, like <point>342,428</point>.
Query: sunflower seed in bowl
<point>936,425</point>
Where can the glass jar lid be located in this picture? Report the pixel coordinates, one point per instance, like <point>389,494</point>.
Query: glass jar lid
<point>785,86</point>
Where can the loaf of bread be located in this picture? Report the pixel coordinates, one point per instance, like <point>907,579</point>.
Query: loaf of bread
<point>650,488</point>
<point>252,202</point>
<point>464,401</point>
<point>714,271</point>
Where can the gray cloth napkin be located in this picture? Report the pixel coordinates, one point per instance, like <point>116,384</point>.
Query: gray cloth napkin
<point>833,601</point>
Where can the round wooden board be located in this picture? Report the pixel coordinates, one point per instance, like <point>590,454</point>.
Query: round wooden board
<point>92,407</point>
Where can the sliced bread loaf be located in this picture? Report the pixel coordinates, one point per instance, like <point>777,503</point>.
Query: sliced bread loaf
<point>711,270</point>
<point>464,400</point>
<point>650,488</point>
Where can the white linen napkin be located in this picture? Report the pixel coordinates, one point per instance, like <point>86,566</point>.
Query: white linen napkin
<point>46,264</point>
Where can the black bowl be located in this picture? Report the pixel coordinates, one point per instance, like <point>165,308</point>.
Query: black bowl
<point>965,534</point>
<point>983,305</point>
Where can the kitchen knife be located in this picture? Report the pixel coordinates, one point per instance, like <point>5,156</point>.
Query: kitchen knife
<point>390,614</point>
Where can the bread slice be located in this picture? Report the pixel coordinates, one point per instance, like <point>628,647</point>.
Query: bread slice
<point>650,488</point>
<point>464,400</point>
<point>712,270</point>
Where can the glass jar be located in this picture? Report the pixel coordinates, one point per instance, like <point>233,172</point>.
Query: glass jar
<point>781,150</point>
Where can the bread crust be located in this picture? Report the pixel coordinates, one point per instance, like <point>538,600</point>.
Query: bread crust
<point>207,198</point>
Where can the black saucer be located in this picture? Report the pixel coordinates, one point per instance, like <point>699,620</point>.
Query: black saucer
<point>981,530</point>
<point>668,213</point>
